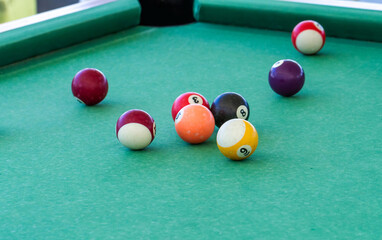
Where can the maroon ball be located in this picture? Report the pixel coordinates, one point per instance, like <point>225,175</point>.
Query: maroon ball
<point>286,77</point>
<point>135,129</point>
<point>90,86</point>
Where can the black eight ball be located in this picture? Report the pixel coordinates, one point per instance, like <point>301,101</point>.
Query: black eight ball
<point>228,106</point>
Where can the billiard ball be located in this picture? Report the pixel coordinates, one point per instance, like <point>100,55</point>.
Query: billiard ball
<point>135,129</point>
<point>237,139</point>
<point>286,77</point>
<point>186,99</point>
<point>308,37</point>
<point>89,86</point>
<point>166,12</point>
<point>229,105</point>
<point>194,123</point>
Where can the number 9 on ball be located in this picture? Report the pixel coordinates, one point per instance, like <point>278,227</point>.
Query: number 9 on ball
<point>237,139</point>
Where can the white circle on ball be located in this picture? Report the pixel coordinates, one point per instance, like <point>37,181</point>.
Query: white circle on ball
<point>179,116</point>
<point>244,151</point>
<point>309,41</point>
<point>195,99</point>
<point>134,136</point>
<point>242,112</point>
<point>230,133</point>
<point>278,64</point>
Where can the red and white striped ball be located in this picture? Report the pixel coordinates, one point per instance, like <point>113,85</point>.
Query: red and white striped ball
<point>308,37</point>
<point>135,129</point>
<point>187,99</point>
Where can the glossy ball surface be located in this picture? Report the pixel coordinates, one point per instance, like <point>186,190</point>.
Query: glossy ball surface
<point>187,99</point>
<point>194,123</point>
<point>286,77</point>
<point>237,139</point>
<point>228,106</point>
<point>135,129</point>
<point>308,37</point>
<point>89,86</point>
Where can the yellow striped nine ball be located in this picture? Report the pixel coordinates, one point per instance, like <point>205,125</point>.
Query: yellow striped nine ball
<point>237,139</point>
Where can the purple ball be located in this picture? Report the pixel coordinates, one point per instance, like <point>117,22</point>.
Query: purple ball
<point>286,77</point>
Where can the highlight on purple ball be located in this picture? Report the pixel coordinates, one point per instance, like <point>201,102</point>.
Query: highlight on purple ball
<point>286,77</point>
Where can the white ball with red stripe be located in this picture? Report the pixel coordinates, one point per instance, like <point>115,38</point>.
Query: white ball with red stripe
<point>308,37</point>
<point>135,129</point>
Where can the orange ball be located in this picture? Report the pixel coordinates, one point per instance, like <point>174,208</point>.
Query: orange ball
<point>194,123</point>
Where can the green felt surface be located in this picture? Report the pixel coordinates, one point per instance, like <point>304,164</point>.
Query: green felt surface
<point>340,22</point>
<point>316,174</point>
<point>25,42</point>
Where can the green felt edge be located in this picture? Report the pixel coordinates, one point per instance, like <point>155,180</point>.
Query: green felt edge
<point>67,30</point>
<point>340,22</point>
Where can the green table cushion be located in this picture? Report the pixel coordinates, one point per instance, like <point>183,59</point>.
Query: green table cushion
<point>56,33</point>
<point>281,15</point>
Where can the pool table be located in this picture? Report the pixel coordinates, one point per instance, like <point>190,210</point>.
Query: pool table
<point>316,173</point>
